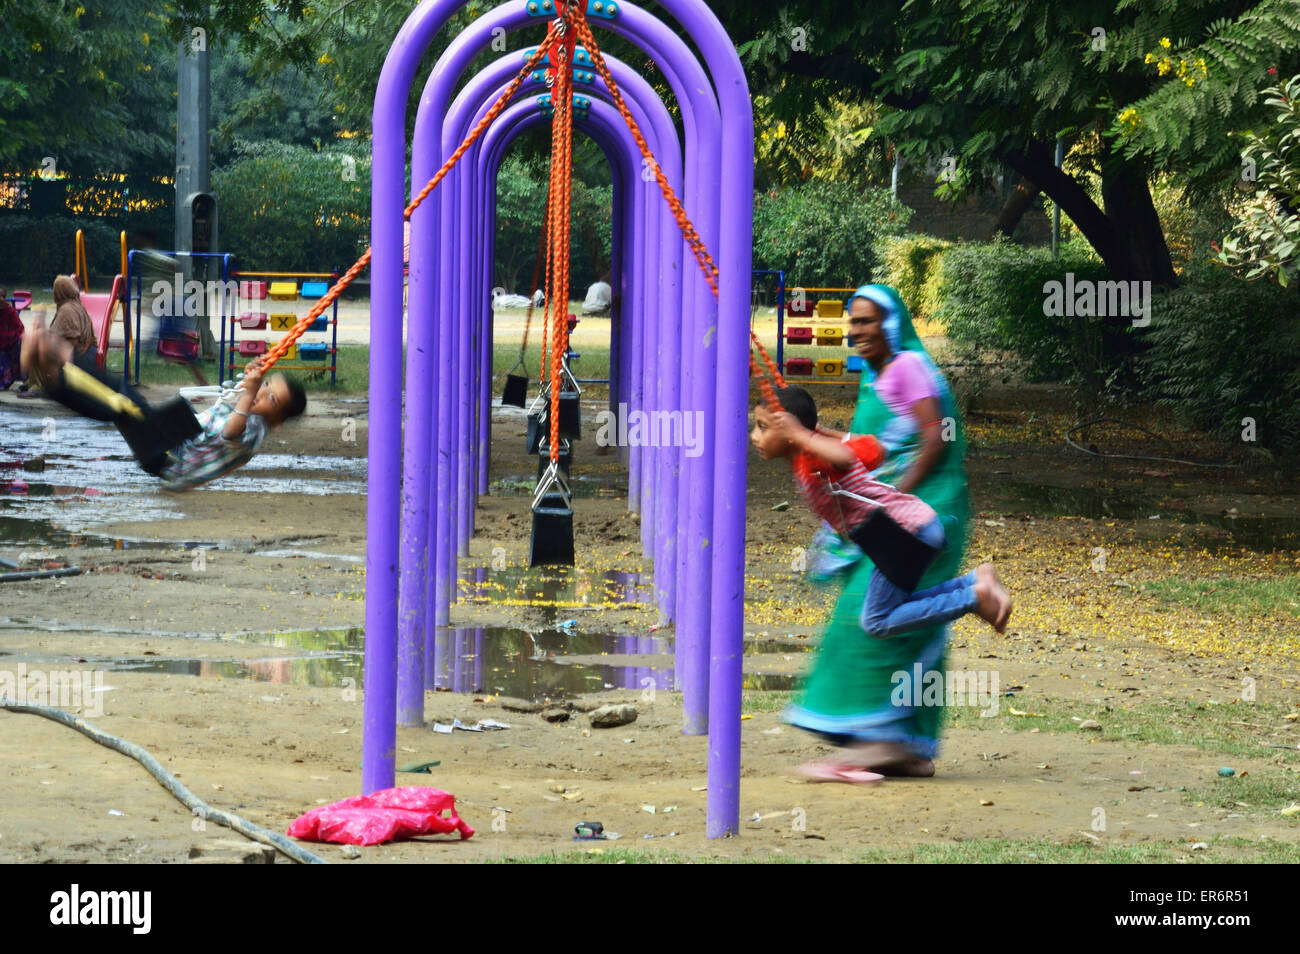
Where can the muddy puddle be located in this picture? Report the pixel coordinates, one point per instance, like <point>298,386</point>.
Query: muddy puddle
<point>554,590</point>
<point>537,666</point>
<point>67,474</point>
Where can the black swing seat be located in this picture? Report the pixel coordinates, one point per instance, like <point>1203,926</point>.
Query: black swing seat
<point>165,426</point>
<point>900,556</point>
<point>552,539</point>
<point>515,393</point>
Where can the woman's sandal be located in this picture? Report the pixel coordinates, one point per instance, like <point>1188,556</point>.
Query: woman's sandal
<point>832,772</point>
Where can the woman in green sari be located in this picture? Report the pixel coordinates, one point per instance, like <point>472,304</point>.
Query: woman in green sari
<point>862,693</point>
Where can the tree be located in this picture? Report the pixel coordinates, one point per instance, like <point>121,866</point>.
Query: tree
<point>988,81</point>
<point>81,86</point>
<point>1266,235</point>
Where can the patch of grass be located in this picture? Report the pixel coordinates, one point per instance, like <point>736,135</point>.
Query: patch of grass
<point>1277,596</point>
<point>973,851</point>
<point>758,700</point>
<point>594,362</point>
<point>1230,729</point>
<point>353,371</point>
<point>1263,792</point>
<point>1006,851</point>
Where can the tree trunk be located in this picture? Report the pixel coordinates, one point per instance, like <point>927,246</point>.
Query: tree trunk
<point>1127,199</point>
<point>1140,255</point>
<point>1017,204</point>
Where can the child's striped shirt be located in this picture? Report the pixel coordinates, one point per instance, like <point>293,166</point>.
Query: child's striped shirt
<point>811,473</point>
<point>209,455</point>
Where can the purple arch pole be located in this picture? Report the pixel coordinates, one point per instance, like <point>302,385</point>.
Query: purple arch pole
<point>657,125</point>
<point>725,458</point>
<point>698,369</point>
<point>456,128</point>
<point>637,90</point>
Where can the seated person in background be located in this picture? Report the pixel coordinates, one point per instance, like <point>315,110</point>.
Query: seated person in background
<point>72,322</point>
<point>11,343</point>
<point>599,297</point>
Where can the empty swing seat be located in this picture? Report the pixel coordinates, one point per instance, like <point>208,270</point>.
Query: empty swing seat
<point>284,291</point>
<point>177,342</point>
<point>250,349</point>
<point>251,321</point>
<point>314,290</point>
<point>552,540</point>
<point>795,367</point>
<point>799,336</point>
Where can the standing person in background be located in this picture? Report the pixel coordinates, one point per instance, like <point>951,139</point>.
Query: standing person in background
<point>11,343</point>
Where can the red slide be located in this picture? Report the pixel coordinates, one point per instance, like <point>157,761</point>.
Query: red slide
<point>101,309</point>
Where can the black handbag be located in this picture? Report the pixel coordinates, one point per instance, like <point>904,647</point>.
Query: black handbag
<point>898,554</point>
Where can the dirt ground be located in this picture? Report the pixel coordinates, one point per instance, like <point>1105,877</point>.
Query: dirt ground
<point>1086,642</point>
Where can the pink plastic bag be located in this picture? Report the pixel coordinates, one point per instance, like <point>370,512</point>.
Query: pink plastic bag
<point>388,815</point>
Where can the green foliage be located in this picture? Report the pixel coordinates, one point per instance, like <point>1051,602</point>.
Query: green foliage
<point>833,142</point>
<point>1193,224</point>
<point>992,300</point>
<point>521,210</point>
<point>289,208</point>
<point>912,265</point>
<point>991,80</point>
<point>81,83</point>
<point>1224,352</point>
<point>1264,239</point>
<point>824,233</point>
<point>252,101</point>
<point>1207,63</point>
<point>38,248</point>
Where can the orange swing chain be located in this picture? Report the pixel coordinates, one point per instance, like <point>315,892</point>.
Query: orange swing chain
<point>561,190</point>
<point>284,344</point>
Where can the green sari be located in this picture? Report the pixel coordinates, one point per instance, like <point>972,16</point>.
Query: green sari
<point>853,693</point>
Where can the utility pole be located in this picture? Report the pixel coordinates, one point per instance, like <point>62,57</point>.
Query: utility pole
<point>196,214</point>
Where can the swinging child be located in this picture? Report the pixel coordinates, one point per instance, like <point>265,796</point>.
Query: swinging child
<point>899,531</point>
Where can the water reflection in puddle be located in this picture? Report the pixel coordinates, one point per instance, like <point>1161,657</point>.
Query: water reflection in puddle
<point>551,664</point>
<point>555,588</point>
<point>69,473</point>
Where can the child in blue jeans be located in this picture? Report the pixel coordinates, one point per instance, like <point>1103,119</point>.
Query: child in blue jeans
<point>834,476</point>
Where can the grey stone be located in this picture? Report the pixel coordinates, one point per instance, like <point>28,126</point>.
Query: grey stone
<point>607,717</point>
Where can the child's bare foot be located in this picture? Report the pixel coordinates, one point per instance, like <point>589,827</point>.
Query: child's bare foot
<point>993,601</point>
